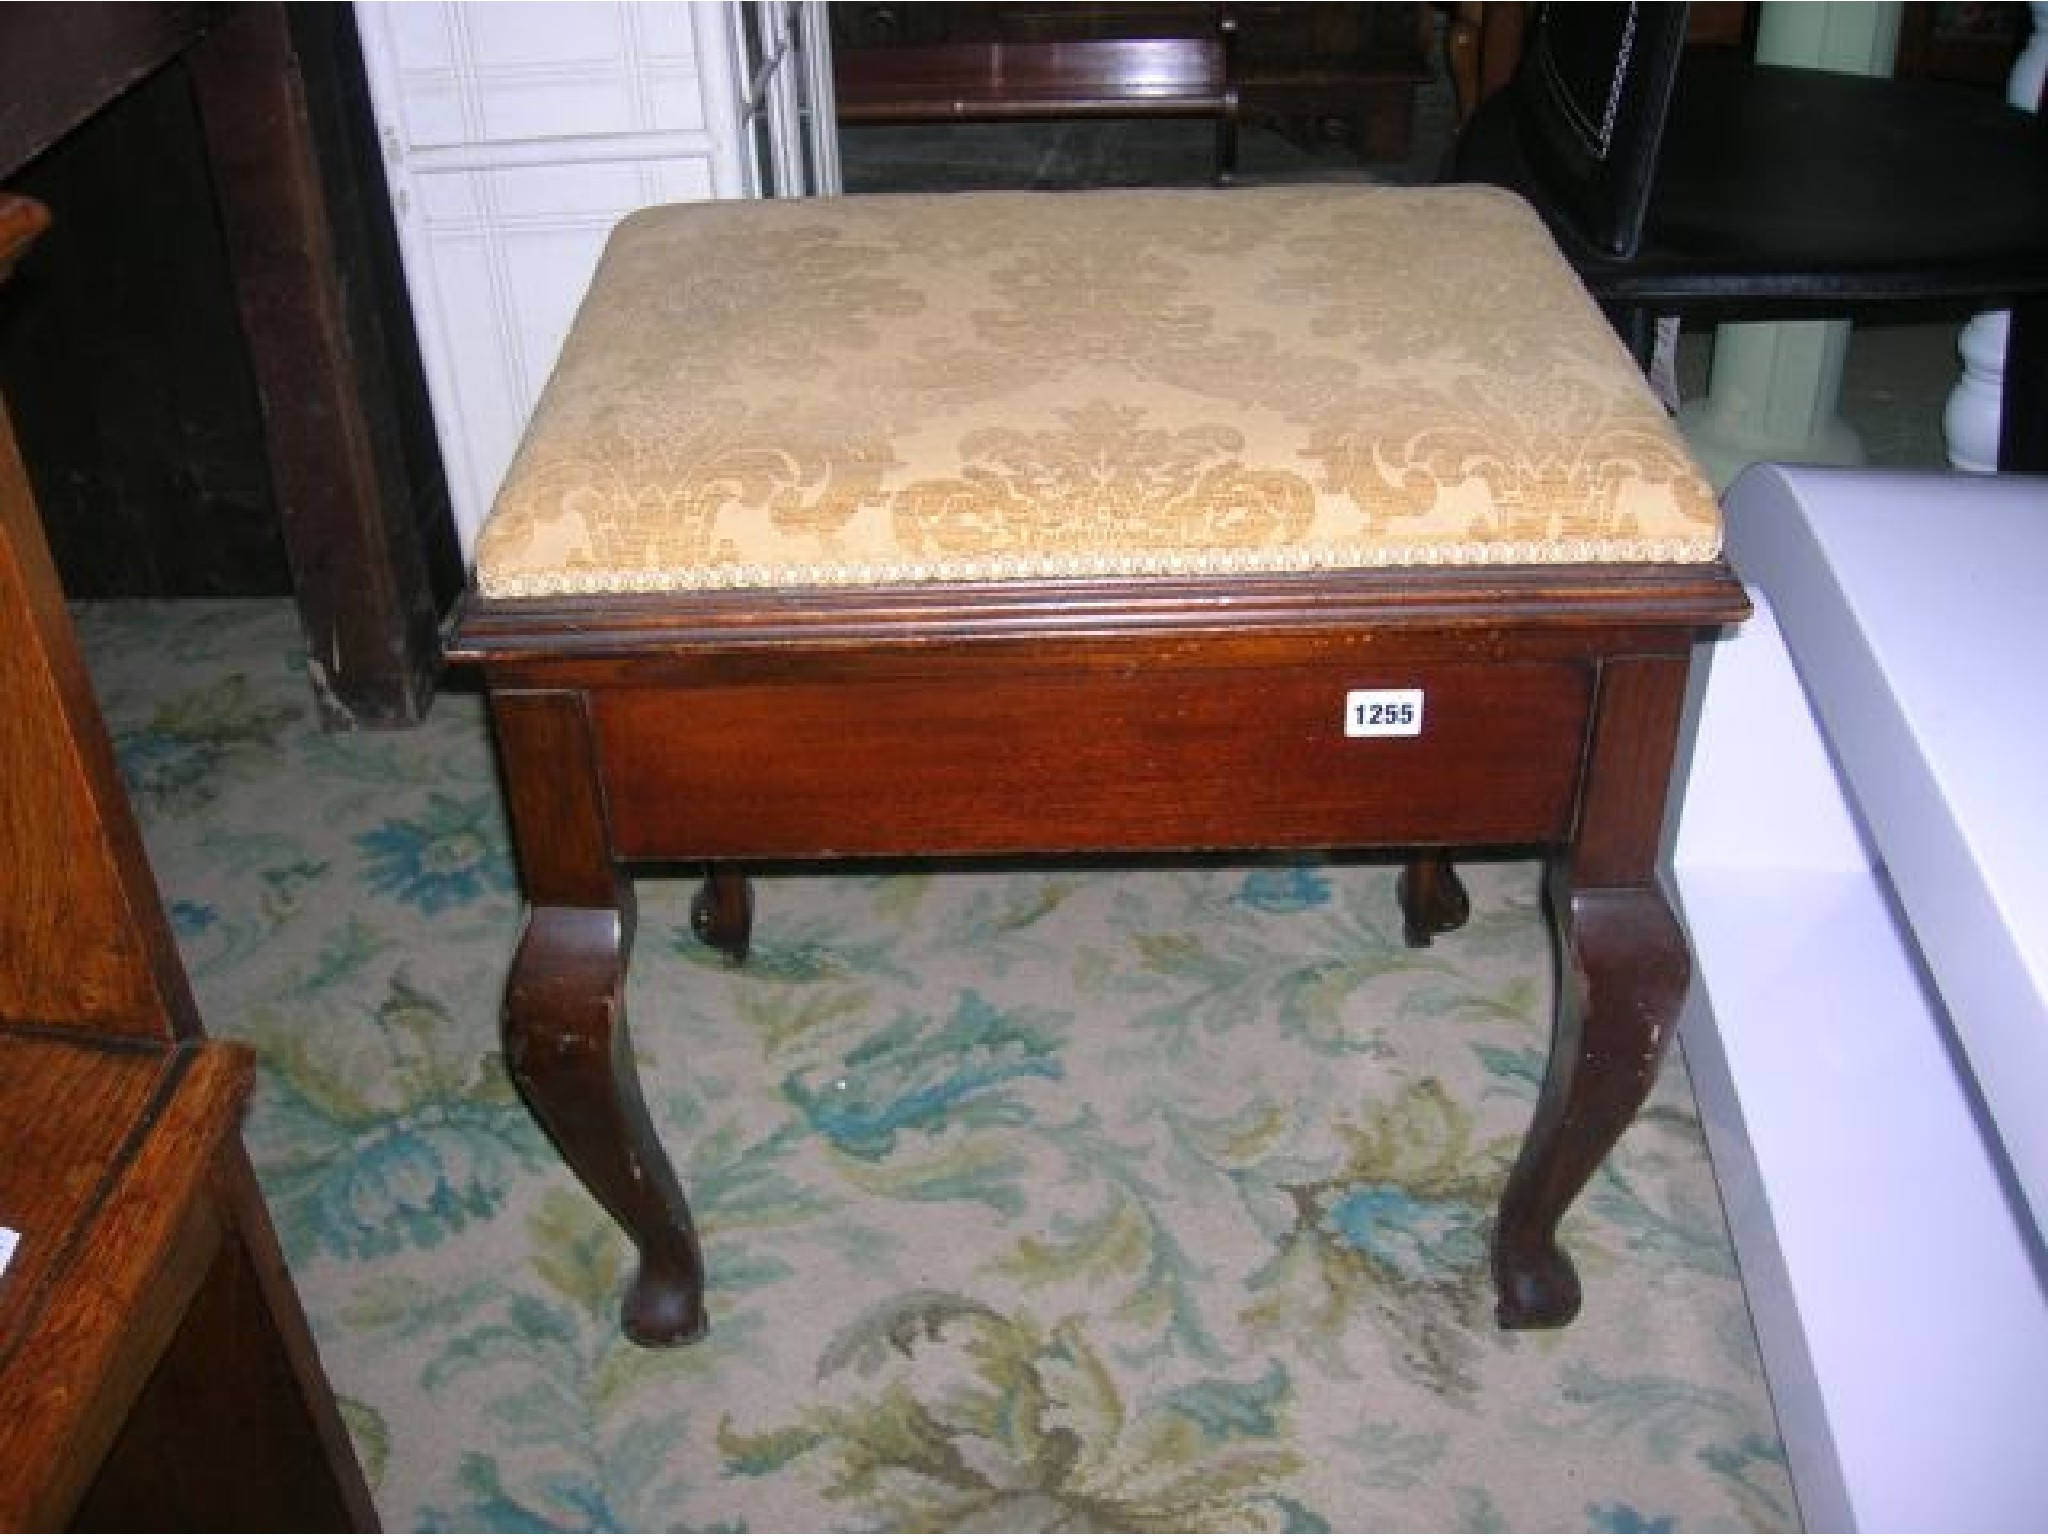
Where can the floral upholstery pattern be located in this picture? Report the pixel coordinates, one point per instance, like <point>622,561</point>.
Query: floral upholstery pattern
<point>988,386</point>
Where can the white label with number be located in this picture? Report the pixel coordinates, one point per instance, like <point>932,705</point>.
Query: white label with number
<point>1383,712</point>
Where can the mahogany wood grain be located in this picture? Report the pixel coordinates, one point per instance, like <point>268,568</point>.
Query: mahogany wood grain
<point>990,82</point>
<point>156,1369</point>
<point>1021,80</point>
<point>566,1042</point>
<point>1117,745</point>
<point>1315,73</point>
<point>22,221</point>
<point>1568,611</point>
<point>1623,971</point>
<point>1628,770</point>
<point>1137,715</point>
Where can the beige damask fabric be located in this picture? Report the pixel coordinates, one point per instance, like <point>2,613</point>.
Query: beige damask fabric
<point>986,386</point>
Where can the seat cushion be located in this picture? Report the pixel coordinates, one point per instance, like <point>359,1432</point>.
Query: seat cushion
<point>991,386</point>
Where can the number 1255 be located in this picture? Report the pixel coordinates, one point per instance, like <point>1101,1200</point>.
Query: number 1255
<point>1383,712</point>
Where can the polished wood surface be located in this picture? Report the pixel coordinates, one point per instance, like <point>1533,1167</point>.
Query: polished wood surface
<point>1316,72</point>
<point>79,941</point>
<point>237,1428</point>
<point>118,1223</point>
<point>1088,748</point>
<point>1033,80</point>
<point>1124,716</point>
<point>156,1368</point>
<point>992,82</point>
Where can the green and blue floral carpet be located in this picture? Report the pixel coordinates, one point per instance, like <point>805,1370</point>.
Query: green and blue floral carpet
<point>1069,1199</point>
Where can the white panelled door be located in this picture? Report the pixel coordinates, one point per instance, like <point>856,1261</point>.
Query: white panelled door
<point>515,134</point>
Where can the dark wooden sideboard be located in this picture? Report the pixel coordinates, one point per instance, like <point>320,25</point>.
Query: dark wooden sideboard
<point>1323,70</point>
<point>172,143</point>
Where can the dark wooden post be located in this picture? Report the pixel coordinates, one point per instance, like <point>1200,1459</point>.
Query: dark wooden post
<point>331,368</point>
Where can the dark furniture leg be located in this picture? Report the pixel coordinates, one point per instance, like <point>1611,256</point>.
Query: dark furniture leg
<point>1226,148</point>
<point>566,1043</point>
<point>1620,953</point>
<point>1623,967</point>
<point>1433,898</point>
<point>362,517</point>
<point>1226,120</point>
<point>602,770</point>
<point>1622,976</point>
<point>722,911</point>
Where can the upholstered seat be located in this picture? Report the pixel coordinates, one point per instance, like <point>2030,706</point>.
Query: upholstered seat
<point>1107,522</point>
<point>884,390</point>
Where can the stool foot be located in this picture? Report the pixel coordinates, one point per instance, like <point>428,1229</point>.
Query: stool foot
<point>1432,897</point>
<point>567,1048</point>
<point>1537,1287</point>
<point>1622,978</point>
<point>664,1304</point>
<point>722,912</point>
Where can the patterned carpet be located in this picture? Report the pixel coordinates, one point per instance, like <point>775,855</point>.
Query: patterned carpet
<point>1063,1199</point>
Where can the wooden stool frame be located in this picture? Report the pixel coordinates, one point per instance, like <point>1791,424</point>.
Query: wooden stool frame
<point>1131,715</point>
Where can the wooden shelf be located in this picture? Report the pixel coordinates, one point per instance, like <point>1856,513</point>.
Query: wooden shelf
<point>110,1148</point>
<point>1309,68</point>
<point>156,1367</point>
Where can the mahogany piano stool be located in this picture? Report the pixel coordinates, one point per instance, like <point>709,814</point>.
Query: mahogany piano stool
<point>1015,524</point>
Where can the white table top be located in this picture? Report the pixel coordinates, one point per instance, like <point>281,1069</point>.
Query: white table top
<point>1915,617</point>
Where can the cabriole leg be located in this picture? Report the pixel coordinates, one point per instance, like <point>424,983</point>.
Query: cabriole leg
<point>566,1043</point>
<point>1622,975</point>
<point>1623,967</point>
<point>567,1047</point>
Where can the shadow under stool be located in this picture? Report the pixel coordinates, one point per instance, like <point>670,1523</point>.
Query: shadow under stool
<point>1121,522</point>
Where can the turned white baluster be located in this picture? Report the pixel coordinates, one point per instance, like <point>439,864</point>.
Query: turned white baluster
<point>1970,423</point>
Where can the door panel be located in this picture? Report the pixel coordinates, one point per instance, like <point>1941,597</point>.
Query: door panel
<point>515,135</point>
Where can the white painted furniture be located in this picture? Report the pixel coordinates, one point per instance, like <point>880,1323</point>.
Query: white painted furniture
<point>516,134</point>
<point>1860,858</point>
